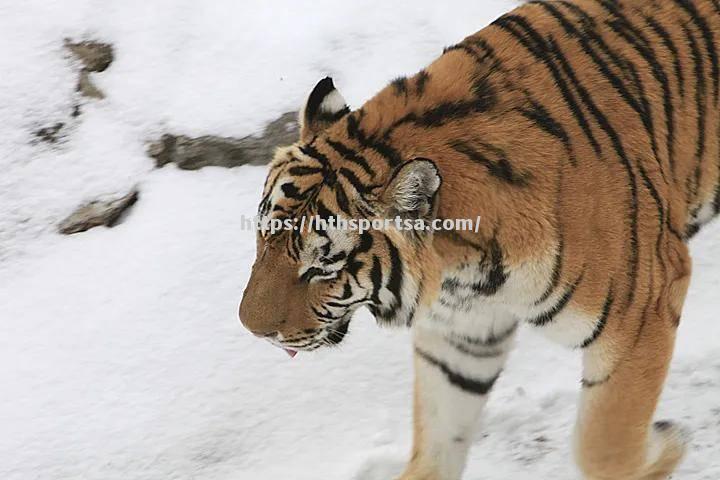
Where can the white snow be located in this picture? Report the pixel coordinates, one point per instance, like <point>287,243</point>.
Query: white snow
<point>121,354</point>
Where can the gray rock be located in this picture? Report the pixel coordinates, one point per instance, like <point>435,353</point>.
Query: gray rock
<point>87,88</point>
<point>95,56</point>
<point>194,153</point>
<point>94,214</point>
<point>51,133</point>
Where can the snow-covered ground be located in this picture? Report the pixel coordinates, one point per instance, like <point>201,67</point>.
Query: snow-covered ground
<point>121,356</point>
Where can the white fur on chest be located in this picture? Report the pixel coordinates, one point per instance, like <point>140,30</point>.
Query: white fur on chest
<point>460,310</point>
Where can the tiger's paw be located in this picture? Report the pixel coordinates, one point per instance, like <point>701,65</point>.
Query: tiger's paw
<point>668,445</point>
<point>416,472</point>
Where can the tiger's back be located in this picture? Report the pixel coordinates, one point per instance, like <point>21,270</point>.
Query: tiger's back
<point>591,126</point>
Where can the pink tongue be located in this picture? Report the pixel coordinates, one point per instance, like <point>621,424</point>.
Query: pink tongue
<point>292,353</point>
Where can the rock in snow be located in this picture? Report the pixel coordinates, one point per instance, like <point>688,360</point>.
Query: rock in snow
<point>95,57</point>
<point>51,133</point>
<point>98,213</point>
<point>87,88</point>
<point>194,153</point>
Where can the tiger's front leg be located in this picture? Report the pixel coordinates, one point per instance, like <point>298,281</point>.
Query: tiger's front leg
<point>454,373</point>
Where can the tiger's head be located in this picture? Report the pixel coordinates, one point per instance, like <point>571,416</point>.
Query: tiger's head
<point>310,277</point>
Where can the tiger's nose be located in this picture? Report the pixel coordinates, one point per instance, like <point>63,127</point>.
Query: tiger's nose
<point>254,322</point>
<point>258,331</point>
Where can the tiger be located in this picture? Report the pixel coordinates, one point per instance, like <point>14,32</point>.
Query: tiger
<point>585,135</point>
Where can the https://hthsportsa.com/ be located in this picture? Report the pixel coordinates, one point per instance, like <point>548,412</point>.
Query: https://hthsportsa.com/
<point>359,225</point>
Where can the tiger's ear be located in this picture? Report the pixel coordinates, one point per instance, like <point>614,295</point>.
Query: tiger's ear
<point>324,107</point>
<point>413,189</point>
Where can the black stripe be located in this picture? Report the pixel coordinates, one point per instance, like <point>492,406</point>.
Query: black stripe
<point>540,116</point>
<point>449,111</point>
<point>484,91</point>
<point>670,45</point>
<point>342,199</point>
<point>480,59</point>
<point>455,237</point>
<point>457,302</point>
<point>671,228</point>
<point>493,281</point>
<point>471,43</point>
<point>366,243</point>
<point>470,385</point>
<point>549,315</point>
<point>305,171</point>
<point>501,169</point>
<point>602,321</point>
<point>323,211</point>
<point>308,334</point>
<point>465,349</point>
<point>451,285</point>
<point>337,332</point>
<point>700,106</point>
<point>358,185</point>
<point>387,151</point>
<point>346,304</point>
<point>487,287</point>
<point>692,230</point>
<point>347,291</point>
<point>395,279</point>
<point>400,86</point>
<point>557,270</point>
<point>644,317</point>
<point>280,208</point>
<point>353,129</point>
<point>311,273</point>
<point>325,314</point>
<point>496,277</point>
<point>594,383</point>
<point>391,155</point>
<point>708,38</point>
<point>264,207</point>
<point>296,244</point>
<point>418,294</point>
<point>420,82</point>
<point>493,340</point>
<point>376,280</point>
<point>354,265</point>
<point>331,117</point>
<point>334,259</point>
<point>518,27</point>
<point>611,6</point>
<point>313,152</point>
<point>352,156</point>
<point>482,44</point>
<point>291,191</point>
<point>661,214</point>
